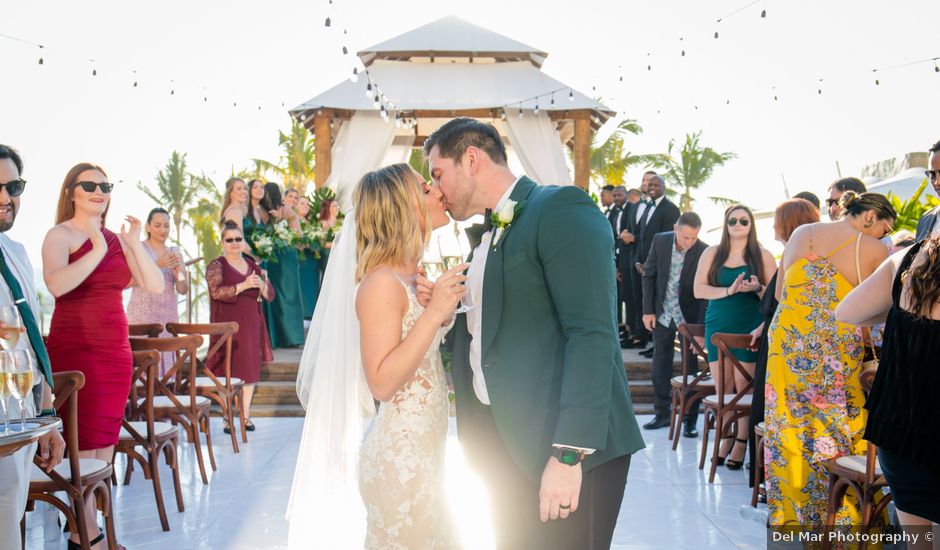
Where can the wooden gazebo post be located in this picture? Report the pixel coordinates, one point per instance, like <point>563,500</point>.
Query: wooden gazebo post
<point>324,146</point>
<point>582,151</point>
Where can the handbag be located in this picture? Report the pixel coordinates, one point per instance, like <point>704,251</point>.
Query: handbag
<point>870,363</point>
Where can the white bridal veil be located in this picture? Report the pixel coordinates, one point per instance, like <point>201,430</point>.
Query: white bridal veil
<point>325,509</point>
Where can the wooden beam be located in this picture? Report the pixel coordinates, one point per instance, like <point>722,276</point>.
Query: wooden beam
<point>582,152</point>
<point>324,146</point>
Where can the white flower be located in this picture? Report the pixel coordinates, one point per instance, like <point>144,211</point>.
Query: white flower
<point>507,212</point>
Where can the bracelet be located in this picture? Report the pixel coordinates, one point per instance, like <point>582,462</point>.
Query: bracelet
<point>727,291</point>
<point>47,412</point>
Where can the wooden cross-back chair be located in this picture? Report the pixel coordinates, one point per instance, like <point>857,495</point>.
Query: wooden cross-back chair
<point>183,406</point>
<point>76,477</point>
<point>723,410</point>
<point>694,384</point>
<point>224,389</point>
<point>153,438</point>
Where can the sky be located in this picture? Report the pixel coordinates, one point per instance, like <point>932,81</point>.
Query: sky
<point>252,61</point>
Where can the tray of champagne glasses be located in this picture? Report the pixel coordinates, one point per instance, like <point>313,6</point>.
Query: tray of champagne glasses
<point>18,436</point>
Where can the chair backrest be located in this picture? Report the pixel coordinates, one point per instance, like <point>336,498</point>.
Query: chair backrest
<point>145,371</point>
<point>66,387</point>
<point>867,378</point>
<point>147,330</point>
<point>689,335</point>
<point>725,343</point>
<point>223,334</point>
<point>182,375</point>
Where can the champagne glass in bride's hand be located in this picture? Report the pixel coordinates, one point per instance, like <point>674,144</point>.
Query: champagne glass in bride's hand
<point>10,322</point>
<point>4,391</point>
<point>19,369</point>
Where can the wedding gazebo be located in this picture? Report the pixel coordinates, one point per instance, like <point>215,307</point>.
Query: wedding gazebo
<point>415,82</point>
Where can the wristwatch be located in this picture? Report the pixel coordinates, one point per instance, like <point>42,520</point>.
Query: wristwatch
<point>567,455</point>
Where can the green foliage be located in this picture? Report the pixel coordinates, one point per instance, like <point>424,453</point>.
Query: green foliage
<point>316,200</point>
<point>177,190</point>
<point>420,164</point>
<point>297,165</point>
<point>608,161</point>
<point>911,210</point>
<point>692,168</point>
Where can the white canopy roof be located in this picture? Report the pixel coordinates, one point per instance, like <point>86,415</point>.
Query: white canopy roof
<point>452,37</point>
<point>455,86</point>
<point>904,185</point>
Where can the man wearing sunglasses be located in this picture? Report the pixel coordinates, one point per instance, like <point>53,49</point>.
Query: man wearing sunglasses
<point>929,224</point>
<point>837,189</point>
<point>17,289</point>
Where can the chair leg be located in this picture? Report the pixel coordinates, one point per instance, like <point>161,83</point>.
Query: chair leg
<point>128,470</point>
<point>228,414</point>
<point>154,464</point>
<point>708,424</point>
<point>672,416</point>
<point>719,431</point>
<point>758,471</point>
<point>108,513</point>
<point>78,508</point>
<point>192,430</point>
<point>678,409</point>
<point>241,414</point>
<point>208,430</point>
<point>169,450</point>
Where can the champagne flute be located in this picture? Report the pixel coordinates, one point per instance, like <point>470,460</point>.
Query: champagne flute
<point>10,335</point>
<point>4,391</point>
<point>449,263</point>
<point>433,270</point>
<point>20,380</point>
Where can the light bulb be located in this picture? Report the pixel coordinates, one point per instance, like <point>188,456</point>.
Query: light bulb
<point>355,75</point>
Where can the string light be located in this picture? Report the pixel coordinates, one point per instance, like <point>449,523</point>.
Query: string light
<point>570,95</point>
<point>355,75</point>
<point>369,89</point>
<point>536,108</point>
<point>345,51</point>
<point>763,14</point>
<point>327,22</point>
<point>716,35</point>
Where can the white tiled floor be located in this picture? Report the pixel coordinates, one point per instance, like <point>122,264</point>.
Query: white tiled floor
<point>668,502</point>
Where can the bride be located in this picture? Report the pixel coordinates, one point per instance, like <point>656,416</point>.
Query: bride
<point>369,338</point>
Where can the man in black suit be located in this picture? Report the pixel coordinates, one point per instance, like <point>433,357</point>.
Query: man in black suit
<point>631,286</point>
<point>607,198</point>
<point>668,301</point>
<point>929,223</point>
<point>656,215</point>
<point>617,216</point>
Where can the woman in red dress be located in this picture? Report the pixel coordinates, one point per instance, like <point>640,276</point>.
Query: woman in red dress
<point>86,267</point>
<point>234,281</point>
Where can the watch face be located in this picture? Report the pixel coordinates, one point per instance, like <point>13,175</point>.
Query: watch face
<point>568,457</point>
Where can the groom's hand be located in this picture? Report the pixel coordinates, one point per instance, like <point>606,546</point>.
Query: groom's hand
<point>423,287</point>
<point>560,489</point>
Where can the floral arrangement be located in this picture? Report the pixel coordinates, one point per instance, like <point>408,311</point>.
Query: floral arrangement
<point>271,239</point>
<point>313,237</point>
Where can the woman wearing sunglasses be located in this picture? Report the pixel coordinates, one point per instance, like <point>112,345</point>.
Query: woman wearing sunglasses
<point>814,408</point>
<point>87,267</point>
<point>733,277</point>
<point>235,281</point>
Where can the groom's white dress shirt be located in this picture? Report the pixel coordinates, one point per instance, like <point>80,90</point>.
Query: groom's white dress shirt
<point>475,315</point>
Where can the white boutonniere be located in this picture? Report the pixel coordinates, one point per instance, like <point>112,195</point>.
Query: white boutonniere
<point>503,218</point>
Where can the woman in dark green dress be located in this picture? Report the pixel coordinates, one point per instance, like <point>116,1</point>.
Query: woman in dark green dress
<point>285,314</point>
<point>733,277</point>
<point>328,218</point>
<point>309,262</point>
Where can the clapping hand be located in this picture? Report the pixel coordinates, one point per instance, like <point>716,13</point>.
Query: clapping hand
<point>170,260</point>
<point>751,284</point>
<point>131,230</point>
<point>736,286</point>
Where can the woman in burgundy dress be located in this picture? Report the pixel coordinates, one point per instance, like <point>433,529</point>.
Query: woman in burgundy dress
<point>234,281</point>
<point>86,267</point>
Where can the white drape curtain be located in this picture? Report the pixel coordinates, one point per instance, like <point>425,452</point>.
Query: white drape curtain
<point>361,145</point>
<point>399,150</point>
<point>538,145</point>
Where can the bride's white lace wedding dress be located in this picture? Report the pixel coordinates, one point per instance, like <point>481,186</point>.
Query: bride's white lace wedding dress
<point>401,464</point>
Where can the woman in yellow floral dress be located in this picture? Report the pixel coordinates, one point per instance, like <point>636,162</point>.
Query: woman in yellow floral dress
<point>814,401</point>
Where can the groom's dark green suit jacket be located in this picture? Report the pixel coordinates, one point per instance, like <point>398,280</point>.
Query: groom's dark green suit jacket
<point>550,348</point>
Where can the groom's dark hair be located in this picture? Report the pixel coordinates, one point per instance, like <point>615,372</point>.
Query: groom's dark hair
<point>453,139</point>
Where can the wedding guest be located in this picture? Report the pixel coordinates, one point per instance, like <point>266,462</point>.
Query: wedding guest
<point>257,217</point>
<point>235,208</point>
<point>837,189</point>
<point>630,278</point>
<point>617,216</point>
<point>669,301</point>
<point>286,314</point>
<point>291,196</point>
<point>928,226</point>
<point>787,217</point>
<point>903,419</point>
<point>656,215</point>
<point>16,280</point>
<point>607,198</point>
<point>86,267</point>
<point>145,307</point>
<point>807,196</point>
<point>733,277</point>
<point>234,281</point>
<point>309,263</point>
<point>814,399</point>
<point>634,195</point>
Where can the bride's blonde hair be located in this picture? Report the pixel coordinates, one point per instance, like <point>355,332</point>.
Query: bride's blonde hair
<point>387,230</point>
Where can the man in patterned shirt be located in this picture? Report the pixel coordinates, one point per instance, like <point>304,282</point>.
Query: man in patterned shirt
<point>668,301</point>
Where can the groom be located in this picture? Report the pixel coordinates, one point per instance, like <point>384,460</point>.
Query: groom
<point>543,410</point>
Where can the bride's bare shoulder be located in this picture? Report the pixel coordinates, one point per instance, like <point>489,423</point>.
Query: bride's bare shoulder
<point>381,289</point>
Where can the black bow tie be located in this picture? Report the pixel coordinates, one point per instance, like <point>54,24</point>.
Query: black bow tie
<point>487,220</point>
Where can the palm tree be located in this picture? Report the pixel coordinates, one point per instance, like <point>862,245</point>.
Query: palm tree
<point>297,165</point>
<point>910,210</point>
<point>693,167</point>
<point>608,161</point>
<point>177,189</point>
<point>203,219</point>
